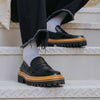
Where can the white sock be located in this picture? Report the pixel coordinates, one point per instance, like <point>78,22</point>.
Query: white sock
<point>52,23</point>
<point>30,52</point>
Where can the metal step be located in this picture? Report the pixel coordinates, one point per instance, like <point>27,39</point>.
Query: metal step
<point>74,63</point>
<point>72,90</point>
<point>86,23</point>
<point>88,15</point>
<point>90,30</point>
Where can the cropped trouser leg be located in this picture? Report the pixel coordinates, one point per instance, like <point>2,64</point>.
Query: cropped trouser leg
<point>32,18</point>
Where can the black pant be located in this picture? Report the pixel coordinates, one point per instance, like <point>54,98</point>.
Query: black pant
<point>33,15</point>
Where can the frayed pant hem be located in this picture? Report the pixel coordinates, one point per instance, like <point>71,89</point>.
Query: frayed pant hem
<point>69,15</point>
<point>41,37</point>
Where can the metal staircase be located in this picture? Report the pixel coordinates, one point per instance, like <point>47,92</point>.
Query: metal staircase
<point>79,66</point>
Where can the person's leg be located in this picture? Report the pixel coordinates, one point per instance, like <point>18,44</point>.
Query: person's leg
<point>63,12</point>
<point>31,17</point>
<point>30,52</point>
<point>55,17</point>
<point>52,23</point>
<point>34,69</point>
<point>29,25</point>
<point>72,5</point>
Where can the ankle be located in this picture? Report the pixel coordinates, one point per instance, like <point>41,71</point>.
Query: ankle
<point>30,52</point>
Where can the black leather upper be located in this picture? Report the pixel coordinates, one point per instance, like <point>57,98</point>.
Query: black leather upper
<point>61,34</point>
<point>38,67</point>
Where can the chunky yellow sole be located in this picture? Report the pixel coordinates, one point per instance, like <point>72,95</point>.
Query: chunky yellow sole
<point>66,40</point>
<point>40,78</point>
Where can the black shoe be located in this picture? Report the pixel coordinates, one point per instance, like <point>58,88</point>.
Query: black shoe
<point>39,74</point>
<point>63,39</point>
